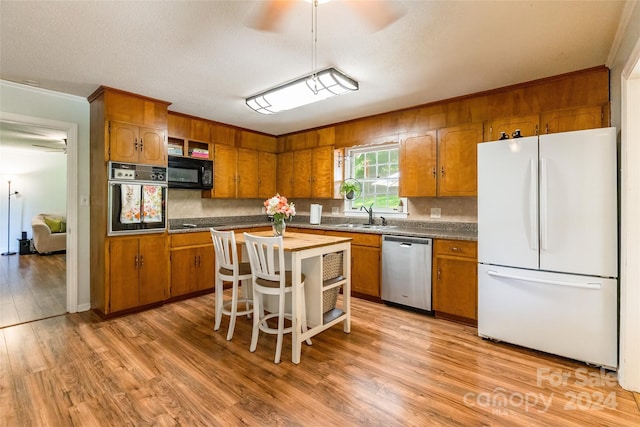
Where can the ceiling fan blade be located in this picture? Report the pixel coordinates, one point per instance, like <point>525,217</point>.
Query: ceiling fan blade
<point>270,15</point>
<point>50,148</point>
<point>377,14</point>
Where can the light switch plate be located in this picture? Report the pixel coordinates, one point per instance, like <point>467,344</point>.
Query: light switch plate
<point>435,212</point>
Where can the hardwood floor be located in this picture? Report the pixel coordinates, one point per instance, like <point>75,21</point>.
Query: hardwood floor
<point>32,287</point>
<point>167,366</point>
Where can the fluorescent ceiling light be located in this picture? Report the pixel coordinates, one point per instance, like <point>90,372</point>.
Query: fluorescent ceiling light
<point>305,90</point>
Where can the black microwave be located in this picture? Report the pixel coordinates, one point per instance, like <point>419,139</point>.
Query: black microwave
<point>187,172</point>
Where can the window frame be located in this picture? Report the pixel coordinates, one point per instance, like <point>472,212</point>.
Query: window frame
<point>349,173</point>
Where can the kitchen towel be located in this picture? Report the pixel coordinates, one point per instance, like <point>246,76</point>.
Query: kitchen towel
<point>130,199</point>
<point>152,203</point>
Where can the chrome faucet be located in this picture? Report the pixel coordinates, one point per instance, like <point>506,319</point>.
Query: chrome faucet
<point>370,212</point>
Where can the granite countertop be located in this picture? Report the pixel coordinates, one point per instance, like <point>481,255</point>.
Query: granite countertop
<point>435,230</point>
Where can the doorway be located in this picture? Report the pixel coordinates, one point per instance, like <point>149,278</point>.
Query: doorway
<point>59,268</point>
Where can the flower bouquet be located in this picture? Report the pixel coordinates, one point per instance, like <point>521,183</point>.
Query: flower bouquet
<point>280,209</point>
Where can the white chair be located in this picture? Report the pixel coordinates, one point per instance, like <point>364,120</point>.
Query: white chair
<point>229,269</point>
<point>266,255</point>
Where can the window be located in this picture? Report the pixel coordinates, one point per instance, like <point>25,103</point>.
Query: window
<point>376,168</point>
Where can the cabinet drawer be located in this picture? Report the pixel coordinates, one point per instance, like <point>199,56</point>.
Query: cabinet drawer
<point>362,239</point>
<point>191,239</point>
<point>456,247</point>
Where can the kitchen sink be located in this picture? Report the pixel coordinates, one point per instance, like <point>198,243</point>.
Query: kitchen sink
<point>187,226</point>
<point>367,226</point>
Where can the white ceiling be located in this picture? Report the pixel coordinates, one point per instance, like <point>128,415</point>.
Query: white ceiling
<point>204,58</point>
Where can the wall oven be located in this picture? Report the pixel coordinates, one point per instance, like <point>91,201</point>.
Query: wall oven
<point>137,199</point>
<point>186,172</point>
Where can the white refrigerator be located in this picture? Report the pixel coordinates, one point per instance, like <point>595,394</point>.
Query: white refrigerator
<point>548,244</point>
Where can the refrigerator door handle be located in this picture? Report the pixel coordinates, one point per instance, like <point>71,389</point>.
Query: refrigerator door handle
<point>543,205</point>
<point>595,286</point>
<point>533,208</point>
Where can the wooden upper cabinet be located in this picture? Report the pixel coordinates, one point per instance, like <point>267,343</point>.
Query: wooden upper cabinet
<point>200,130</point>
<point>133,144</point>
<point>284,174</point>
<point>256,141</point>
<point>457,160</point>
<point>221,134</point>
<point>130,108</point>
<point>574,119</point>
<point>322,172</point>
<point>312,173</point>
<point>247,174</point>
<point>267,167</point>
<point>301,174</point>
<point>123,142</point>
<point>178,126</point>
<point>153,146</point>
<point>243,173</point>
<point>528,125</point>
<point>417,160</point>
<point>224,171</point>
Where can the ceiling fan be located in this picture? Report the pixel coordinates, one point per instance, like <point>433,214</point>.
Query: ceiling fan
<point>375,14</point>
<point>22,136</point>
<point>54,147</point>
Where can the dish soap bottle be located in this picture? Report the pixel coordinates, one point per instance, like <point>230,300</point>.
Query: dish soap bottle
<point>400,206</point>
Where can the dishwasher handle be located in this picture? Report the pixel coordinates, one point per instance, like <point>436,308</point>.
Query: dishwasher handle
<point>407,240</point>
<point>405,245</point>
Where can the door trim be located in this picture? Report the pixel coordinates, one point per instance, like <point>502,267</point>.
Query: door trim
<point>72,196</point>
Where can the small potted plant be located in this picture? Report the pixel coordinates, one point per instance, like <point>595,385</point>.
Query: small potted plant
<point>349,188</point>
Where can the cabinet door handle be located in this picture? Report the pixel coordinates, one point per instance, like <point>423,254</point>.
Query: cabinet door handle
<point>438,271</point>
<point>135,144</point>
<point>198,260</point>
<point>434,172</point>
<point>141,144</point>
<point>195,261</point>
<point>455,249</point>
<point>141,261</point>
<point>136,261</point>
<point>442,171</point>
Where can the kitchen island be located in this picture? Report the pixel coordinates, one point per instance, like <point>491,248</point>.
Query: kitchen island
<point>305,254</point>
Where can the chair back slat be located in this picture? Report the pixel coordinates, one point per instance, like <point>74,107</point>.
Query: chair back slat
<point>266,255</point>
<point>224,243</point>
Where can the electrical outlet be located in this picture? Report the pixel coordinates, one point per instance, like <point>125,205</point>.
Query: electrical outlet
<point>435,212</point>
<point>335,210</point>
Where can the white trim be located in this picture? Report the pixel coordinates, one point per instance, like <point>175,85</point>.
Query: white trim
<point>625,17</point>
<point>629,371</point>
<point>72,193</point>
<point>42,91</point>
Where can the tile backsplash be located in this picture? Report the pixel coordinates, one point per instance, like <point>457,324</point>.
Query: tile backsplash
<point>189,204</point>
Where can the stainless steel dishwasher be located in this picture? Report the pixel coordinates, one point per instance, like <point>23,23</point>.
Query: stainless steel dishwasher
<point>406,271</point>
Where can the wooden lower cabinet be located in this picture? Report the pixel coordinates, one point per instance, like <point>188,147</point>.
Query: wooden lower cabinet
<point>365,263</point>
<point>365,270</point>
<point>192,263</point>
<point>455,280</point>
<point>138,271</point>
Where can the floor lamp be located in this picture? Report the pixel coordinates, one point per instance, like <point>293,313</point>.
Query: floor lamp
<point>9,221</point>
